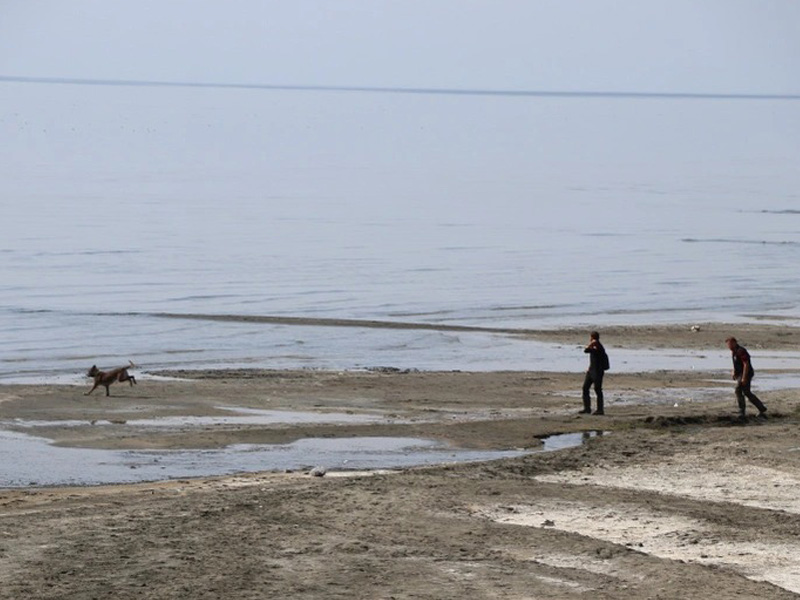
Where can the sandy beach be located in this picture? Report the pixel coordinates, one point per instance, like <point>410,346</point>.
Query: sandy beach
<point>352,255</point>
<point>673,498</point>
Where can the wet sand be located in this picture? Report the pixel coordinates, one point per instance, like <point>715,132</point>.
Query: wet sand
<point>762,331</point>
<point>678,498</point>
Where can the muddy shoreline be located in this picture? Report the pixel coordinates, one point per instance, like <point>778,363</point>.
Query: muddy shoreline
<point>761,331</point>
<point>679,498</point>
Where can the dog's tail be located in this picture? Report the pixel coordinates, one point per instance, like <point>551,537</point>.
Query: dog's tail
<point>133,366</point>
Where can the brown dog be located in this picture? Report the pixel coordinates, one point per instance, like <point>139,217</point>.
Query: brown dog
<point>106,378</point>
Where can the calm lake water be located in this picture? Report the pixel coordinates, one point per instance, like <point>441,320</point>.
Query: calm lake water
<point>119,204</point>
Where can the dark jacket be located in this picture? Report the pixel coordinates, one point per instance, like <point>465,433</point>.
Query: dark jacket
<point>596,358</point>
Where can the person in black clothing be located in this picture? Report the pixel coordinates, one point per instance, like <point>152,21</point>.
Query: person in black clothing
<point>598,363</point>
<point>743,374</point>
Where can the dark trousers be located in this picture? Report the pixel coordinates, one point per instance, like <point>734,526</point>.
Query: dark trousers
<point>743,390</point>
<point>593,378</point>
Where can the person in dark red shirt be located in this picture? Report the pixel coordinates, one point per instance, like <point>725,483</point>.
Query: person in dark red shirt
<point>743,374</point>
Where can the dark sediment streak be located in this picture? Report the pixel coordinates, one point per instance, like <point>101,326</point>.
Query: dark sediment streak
<point>675,335</point>
<point>401,90</point>
<point>326,322</point>
<point>740,241</point>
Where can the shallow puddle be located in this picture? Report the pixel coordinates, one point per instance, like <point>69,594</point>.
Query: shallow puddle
<point>562,441</point>
<point>766,382</point>
<point>240,416</point>
<point>33,461</point>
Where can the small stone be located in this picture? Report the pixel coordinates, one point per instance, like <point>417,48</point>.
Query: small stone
<point>318,472</point>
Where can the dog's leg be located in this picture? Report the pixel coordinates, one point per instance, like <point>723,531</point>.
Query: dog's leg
<point>108,393</point>
<point>94,387</point>
<point>131,378</point>
<point>125,376</point>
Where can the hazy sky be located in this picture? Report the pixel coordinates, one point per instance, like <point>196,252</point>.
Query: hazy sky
<point>62,139</point>
<point>661,45</point>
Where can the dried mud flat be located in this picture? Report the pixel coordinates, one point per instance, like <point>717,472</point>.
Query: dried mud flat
<point>672,502</point>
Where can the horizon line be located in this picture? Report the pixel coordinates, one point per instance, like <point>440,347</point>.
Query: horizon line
<point>621,94</point>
